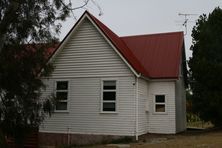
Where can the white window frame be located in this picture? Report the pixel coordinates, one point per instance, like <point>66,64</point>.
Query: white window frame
<point>109,101</point>
<point>160,103</point>
<point>55,91</point>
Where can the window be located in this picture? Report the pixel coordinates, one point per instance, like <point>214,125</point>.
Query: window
<point>160,104</point>
<point>62,95</point>
<point>108,96</point>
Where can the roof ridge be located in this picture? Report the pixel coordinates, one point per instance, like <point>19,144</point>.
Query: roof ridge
<point>132,51</point>
<point>108,32</point>
<point>152,34</point>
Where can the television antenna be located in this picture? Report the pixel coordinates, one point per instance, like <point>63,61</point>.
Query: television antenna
<point>97,5</point>
<point>186,15</point>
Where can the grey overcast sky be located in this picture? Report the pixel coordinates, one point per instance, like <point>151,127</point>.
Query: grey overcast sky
<point>132,17</point>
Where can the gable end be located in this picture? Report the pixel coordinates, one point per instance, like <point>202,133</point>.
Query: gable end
<point>73,30</point>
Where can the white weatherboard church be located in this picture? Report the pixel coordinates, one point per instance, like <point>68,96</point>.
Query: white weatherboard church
<point>110,86</point>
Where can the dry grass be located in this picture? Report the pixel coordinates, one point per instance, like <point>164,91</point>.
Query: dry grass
<point>209,139</point>
<point>200,124</point>
<point>202,140</point>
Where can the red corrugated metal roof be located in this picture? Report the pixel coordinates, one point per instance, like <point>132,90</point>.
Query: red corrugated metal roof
<point>121,46</point>
<point>154,56</point>
<point>159,54</point>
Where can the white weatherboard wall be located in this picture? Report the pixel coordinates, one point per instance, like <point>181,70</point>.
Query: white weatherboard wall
<point>180,104</point>
<point>87,53</point>
<point>142,105</point>
<point>162,122</point>
<point>84,115</point>
<point>85,60</point>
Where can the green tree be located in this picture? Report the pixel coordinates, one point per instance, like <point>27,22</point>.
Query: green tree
<point>27,30</point>
<point>206,67</point>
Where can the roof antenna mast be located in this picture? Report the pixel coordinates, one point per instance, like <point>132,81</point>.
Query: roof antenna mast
<point>185,20</point>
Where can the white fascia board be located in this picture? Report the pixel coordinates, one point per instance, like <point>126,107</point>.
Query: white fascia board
<point>145,78</point>
<point>100,31</point>
<point>158,80</point>
<point>162,80</point>
<point>111,44</point>
<point>61,46</point>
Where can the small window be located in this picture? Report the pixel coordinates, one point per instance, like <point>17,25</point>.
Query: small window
<point>109,96</point>
<point>61,95</point>
<point>160,104</point>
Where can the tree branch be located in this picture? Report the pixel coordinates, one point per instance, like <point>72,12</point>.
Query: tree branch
<point>72,9</point>
<point>6,21</point>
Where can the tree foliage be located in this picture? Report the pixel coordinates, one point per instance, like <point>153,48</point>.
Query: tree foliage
<point>206,67</point>
<point>27,29</point>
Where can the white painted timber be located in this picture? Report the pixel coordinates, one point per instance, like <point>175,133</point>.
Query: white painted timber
<point>84,114</point>
<point>180,104</point>
<point>143,102</point>
<point>162,122</point>
<point>84,61</point>
<point>87,54</point>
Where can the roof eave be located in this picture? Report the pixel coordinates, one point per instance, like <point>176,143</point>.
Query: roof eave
<point>135,72</point>
<point>88,15</point>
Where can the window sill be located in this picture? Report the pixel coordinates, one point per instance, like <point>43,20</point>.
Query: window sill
<point>105,112</point>
<point>160,113</point>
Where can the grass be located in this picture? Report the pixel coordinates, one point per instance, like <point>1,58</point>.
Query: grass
<point>200,124</point>
<point>195,138</point>
<point>193,121</point>
<point>210,139</point>
<point>190,139</point>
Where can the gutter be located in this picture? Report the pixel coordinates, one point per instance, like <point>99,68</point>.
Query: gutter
<point>137,108</point>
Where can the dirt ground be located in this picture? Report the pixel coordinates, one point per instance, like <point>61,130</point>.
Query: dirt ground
<point>191,139</point>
